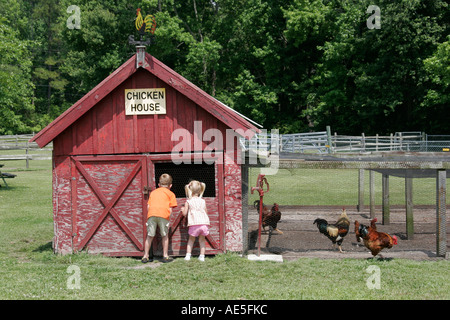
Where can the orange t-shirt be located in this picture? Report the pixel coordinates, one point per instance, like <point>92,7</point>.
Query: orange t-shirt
<point>160,202</point>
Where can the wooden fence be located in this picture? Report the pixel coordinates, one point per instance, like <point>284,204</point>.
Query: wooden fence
<point>324,142</point>
<point>410,141</point>
<point>21,142</point>
<point>310,142</point>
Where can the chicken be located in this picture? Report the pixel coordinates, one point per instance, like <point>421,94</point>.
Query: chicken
<point>143,25</point>
<point>335,232</point>
<point>270,217</point>
<point>373,240</point>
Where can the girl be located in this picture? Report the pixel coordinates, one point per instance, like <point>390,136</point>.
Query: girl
<point>198,221</point>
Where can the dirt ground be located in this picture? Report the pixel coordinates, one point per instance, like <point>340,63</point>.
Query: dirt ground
<point>301,238</point>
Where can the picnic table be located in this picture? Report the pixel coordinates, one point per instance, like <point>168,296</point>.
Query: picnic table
<point>5,175</point>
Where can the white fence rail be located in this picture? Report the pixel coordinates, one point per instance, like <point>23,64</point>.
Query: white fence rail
<point>20,141</point>
<point>397,142</point>
<point>30,150</point>
<point>324,142</point>
<point>305,142</point>
<point>311,142</point>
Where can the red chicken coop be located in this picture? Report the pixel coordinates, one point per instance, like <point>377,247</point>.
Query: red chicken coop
<point>110,147</point>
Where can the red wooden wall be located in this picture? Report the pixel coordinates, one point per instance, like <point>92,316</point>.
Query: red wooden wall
<point>103,161</point>
<point>105,129</point>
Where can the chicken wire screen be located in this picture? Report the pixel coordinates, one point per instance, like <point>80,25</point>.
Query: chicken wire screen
<point>309,187</point>
<point>339,187</point>
<point>307,194</point>
<point>183,173</point>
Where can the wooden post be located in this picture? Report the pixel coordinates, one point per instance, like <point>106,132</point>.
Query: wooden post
<point>363,142</point>
<point>329,139</point>
<point>360,190</point>
<point>409,206</point>
<point>244,177</point>
<point>441,232</point>
<point>372,194</point>
<point>26,153</point>
<point>335,140</point>
<point>386,207</point>
<point>423,142</point>
<point>376,142</point>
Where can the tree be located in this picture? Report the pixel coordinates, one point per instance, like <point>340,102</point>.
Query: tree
<point>437,98</point>
<point>16,88</point>
<point>295,65</point>
<point>49,80</point>
<point>372,80</point>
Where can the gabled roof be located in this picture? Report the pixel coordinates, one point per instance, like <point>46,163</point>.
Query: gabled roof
<point>223,113</point>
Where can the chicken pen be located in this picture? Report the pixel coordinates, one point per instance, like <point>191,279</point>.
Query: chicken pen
<point>405,192</point>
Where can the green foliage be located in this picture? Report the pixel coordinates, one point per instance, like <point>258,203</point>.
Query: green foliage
<point>15,81</point>
<point>293,65</point>
<point>373,80</point>
<point>437,98</point>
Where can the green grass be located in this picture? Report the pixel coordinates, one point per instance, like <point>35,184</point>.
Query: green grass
<point>225,276</point>
<point>30,270</point>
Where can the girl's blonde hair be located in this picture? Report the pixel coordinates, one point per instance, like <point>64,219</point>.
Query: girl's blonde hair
<point>194,188</point>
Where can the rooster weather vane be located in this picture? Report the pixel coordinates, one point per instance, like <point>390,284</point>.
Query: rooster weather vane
<point>143,25</point>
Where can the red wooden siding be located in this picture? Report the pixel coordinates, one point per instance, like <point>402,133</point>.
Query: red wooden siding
<point>106,129</point>
<point>62,205</point>
<point>233,204</point>
<point>100,206</point>
<point>103,159</point>
<point>107,204</point>
<point>161,74</point>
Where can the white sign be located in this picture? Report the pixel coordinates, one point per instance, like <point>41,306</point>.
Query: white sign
<point>145,101</point>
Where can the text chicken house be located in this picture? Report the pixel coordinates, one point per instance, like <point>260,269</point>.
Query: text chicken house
<point>145,101</point>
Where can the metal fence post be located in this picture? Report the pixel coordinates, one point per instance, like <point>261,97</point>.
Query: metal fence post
<point>372,193</point>
<point>441,232</point>
<point>409,206</point>
<point>386,206</point>
<point>360,190</point>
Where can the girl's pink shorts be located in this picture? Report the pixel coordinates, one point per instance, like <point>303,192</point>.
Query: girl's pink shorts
<point>199,230</point>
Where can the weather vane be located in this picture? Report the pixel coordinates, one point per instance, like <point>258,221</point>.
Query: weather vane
<point>143,26</point>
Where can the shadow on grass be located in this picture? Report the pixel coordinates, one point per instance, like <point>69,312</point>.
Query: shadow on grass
<point>44,248</point>
<point>379,258</point>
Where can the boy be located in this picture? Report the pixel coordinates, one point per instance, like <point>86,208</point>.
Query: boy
<point>160,204</point>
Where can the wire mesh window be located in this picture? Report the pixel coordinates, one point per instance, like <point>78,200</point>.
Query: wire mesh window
<point>183,173</point>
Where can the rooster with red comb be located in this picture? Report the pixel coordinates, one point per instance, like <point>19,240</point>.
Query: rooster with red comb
<point>373,240</point>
